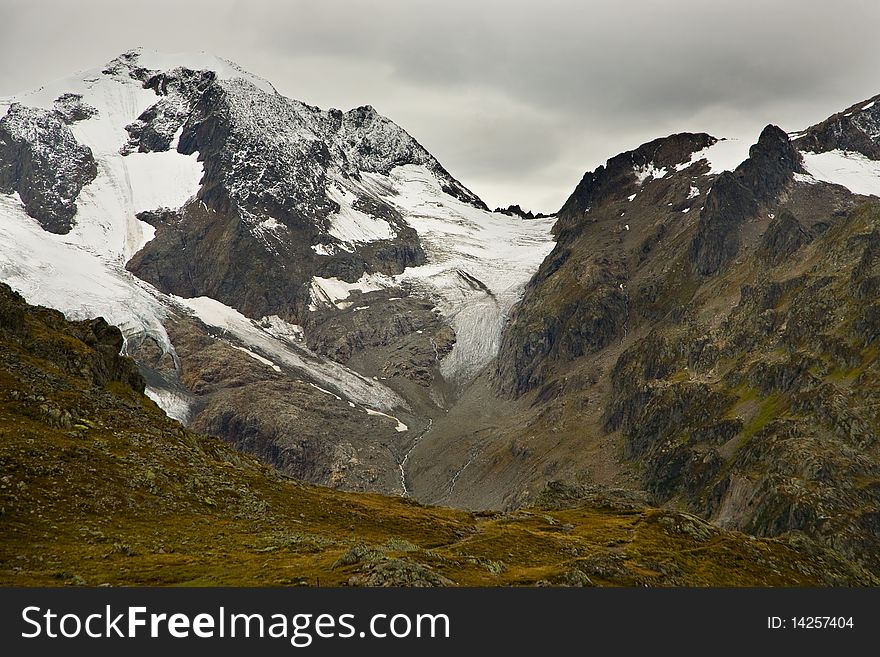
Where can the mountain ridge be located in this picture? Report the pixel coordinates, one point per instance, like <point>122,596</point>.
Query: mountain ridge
<point>697,322</point>
<point>225,218</point>
<point>100,488</point>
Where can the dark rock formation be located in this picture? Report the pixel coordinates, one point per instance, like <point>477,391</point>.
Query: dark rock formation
<point>784,236</point>
<point>855,129</point>
<point>412,330</point>
<point>587,320</point>
<point>752,423</point>
<point>72,108</point>
<point>736,196</point>
<point>89,349</point>
<point>717,240</point>
<point>617,179</point>
<point>517,211</point>
<point>178,92</point>
<point>42,161</point>
<point>578,302</point>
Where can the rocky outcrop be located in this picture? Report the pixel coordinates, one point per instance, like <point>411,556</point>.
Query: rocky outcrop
<point>784,236</point>
<point>717,241</point>
<point>618,178</point>
<point>517,211</point>
<point>397,573</point>
<point>736,196</point>
<point>178,91</point>
<point>72,108</point>
<point>856,129</point>
<point>42,161</point>
<point>89,349</point>
<point>579,301</point>
<point>248,241</point>
<point>771,163</point>
<point>400,337</point>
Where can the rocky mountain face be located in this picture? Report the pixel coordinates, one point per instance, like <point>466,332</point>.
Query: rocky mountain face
<point>737,196</point>
<point>697,324</point>
<point>707,337</point>
<point>282,198</point>
<point>854,130</point>
<point>42,162</point>
<point>590,308</point>
<point>129,497</point>
<point>247,240</point>
<point>288,278</point>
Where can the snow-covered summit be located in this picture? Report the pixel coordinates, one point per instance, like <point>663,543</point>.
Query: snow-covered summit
<point>197,61</point>
<point>208,183</point>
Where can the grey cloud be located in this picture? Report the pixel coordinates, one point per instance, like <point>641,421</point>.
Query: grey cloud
<point>510,95</point>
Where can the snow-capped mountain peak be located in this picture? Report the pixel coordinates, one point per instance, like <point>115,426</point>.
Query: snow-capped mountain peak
<point>185,177</point>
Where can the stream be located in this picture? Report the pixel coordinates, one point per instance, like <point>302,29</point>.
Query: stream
<point>402,464</point>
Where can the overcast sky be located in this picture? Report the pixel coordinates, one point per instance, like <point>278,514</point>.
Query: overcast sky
<point>517,99</point>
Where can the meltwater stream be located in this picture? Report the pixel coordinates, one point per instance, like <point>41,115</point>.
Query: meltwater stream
<point>402,465</point>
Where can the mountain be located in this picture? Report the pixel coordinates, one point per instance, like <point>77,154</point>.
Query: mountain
<point>99,487</point>
<point>313,286</point>
<point>697,325</point>
<point>705,330</point>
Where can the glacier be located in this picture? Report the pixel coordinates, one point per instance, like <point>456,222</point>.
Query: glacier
<point>478,262</point>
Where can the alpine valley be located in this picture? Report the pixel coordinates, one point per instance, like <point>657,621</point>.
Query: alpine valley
<point>674,380</point>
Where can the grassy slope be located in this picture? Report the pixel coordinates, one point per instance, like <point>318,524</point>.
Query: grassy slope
<point>117,493</point>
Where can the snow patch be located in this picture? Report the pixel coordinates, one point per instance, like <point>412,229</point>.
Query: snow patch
<point>723,155</point>
<point>277,327</point>
<point>400,425</point>
<point>649,171</point>
<point>175,405</point>
<point>854,171</point>
<point>805,178</point>
<point>257,357</point>
<point>162,180</point>
<point>326,392</point>
<point>269,224</point>
<point>351,226</point>
<point>326,292</point>
<point>325,249</point>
